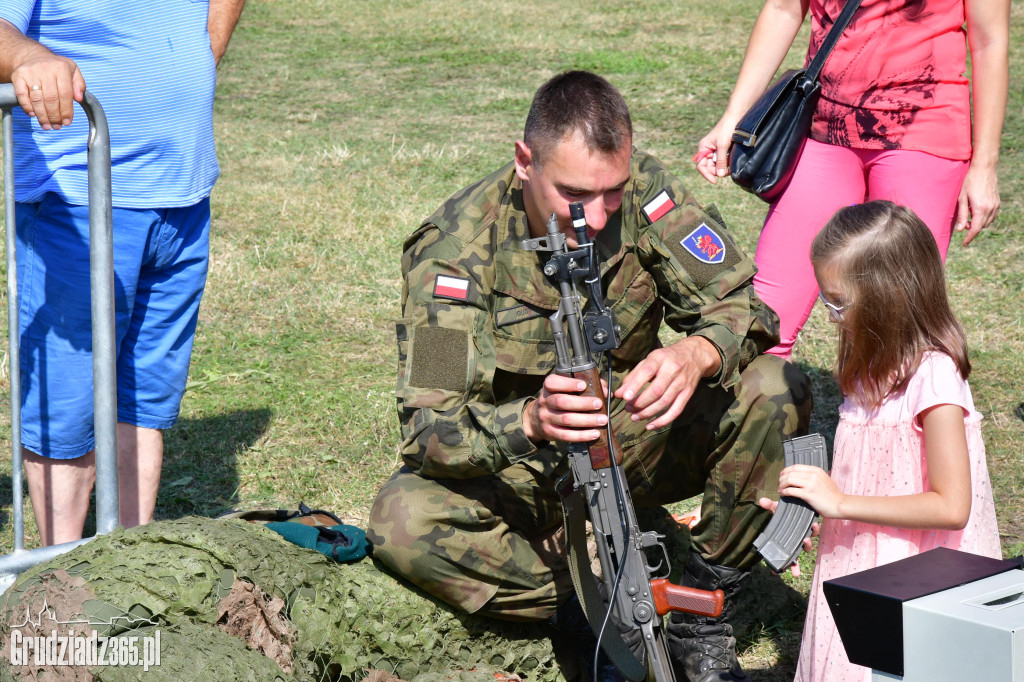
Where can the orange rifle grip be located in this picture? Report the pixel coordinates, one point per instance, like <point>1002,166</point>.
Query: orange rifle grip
<point>669,597</point>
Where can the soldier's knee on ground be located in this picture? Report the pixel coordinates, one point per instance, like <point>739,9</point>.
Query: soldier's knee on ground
<point>427,534</point>
<point>398,523</point>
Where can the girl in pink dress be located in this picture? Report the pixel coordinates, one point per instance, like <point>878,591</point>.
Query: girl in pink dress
<point>908,471</point>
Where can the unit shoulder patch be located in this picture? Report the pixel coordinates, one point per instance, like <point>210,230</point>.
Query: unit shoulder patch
<point>705,245</point>
<point>701,246</point>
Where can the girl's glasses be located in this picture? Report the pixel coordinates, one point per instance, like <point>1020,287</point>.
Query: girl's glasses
<point>835,311</point>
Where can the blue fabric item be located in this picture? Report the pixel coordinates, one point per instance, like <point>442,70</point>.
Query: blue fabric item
<point>152,69</point>
<point>160,264</point>
<point>341,543</point>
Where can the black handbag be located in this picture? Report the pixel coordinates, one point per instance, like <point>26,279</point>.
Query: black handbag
<point>769,138</point>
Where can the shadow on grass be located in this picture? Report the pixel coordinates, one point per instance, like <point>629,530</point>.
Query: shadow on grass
<point>6,497</point>
<point>827,400</point>
<point>768,624</point>
<point>200,473</point>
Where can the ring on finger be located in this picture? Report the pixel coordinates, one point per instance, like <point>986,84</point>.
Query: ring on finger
<point>37,87</point>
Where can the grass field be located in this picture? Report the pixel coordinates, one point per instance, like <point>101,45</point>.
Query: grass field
<point>341,125</point>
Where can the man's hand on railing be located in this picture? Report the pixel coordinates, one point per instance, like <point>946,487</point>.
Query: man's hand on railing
<point>47,85</point>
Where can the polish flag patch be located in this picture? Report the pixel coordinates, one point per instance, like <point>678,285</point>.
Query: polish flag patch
<point>659,206</point>
<point>455,288</point>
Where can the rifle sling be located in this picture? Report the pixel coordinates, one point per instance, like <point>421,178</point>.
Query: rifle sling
<point>586,587</point>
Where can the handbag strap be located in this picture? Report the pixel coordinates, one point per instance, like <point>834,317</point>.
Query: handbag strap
<point>814,68</point>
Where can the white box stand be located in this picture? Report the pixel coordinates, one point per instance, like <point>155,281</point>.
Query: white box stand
<point>966,633</point>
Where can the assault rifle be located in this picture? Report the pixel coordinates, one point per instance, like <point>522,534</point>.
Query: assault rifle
<point>637,589</point>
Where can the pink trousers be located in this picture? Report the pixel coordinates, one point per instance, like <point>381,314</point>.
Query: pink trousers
<point>827,178</point>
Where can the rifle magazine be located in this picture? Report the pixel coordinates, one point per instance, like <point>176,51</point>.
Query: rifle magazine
<point>782,540</point>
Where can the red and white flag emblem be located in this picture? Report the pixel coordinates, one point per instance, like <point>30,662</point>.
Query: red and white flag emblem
<point>456,288</point>
<point>659,206</point>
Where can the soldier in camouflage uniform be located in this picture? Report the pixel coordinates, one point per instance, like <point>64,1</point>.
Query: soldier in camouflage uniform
<point>473,517</point>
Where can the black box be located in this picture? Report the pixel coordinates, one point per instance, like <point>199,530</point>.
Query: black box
<point>868,606</point>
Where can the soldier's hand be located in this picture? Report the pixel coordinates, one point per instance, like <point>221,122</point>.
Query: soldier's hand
<point>47,85</point>
<point>662,383</point>
<point>560,413</point>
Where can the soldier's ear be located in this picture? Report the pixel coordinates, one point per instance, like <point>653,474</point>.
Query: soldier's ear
<point>524,161</point>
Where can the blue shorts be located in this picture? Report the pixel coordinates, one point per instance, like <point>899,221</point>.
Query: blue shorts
<point>160,263</point>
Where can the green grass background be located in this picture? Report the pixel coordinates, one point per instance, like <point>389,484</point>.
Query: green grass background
<point>341,125</point>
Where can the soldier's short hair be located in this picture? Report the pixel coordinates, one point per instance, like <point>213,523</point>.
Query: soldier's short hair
<point>577,102</point>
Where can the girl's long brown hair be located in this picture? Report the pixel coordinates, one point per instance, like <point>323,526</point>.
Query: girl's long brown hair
<point>894,289</point>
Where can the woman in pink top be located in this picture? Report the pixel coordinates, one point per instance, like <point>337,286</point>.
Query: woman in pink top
<point>893,122</point>
<point>908,471</point>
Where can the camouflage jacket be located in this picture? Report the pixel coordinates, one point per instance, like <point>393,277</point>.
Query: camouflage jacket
<point>474,341</point>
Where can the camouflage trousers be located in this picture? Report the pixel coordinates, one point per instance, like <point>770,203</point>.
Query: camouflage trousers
<point>494,545</point>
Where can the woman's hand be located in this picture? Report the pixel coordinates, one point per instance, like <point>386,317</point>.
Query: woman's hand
<point>978,204</point>
<point>774,31</point>
<point>712,157</point>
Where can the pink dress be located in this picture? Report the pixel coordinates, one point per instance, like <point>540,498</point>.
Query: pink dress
<point>881,452</point>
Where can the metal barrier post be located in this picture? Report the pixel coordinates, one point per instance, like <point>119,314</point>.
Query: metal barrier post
<point>14,345</point>
<point>104,339</point>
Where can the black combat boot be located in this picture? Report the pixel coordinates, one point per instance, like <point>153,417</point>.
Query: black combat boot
<point>703,649</point>
<point>574,636</point>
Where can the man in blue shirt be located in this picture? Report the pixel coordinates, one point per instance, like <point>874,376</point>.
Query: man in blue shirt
<point>153,69</point>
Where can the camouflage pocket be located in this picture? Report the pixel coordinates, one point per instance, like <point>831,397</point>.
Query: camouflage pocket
<point>637,323</point>
<point>519,355</point>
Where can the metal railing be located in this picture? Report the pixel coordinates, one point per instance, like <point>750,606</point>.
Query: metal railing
<point>101,276</point>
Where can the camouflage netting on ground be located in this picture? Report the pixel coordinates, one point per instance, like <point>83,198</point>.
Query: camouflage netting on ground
<point>234,601</point>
